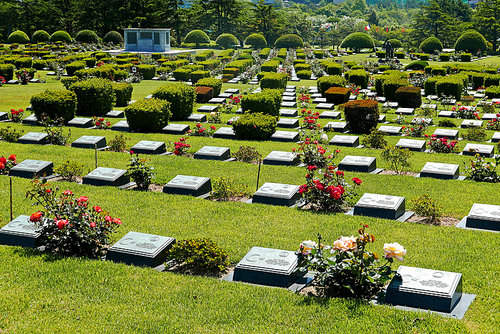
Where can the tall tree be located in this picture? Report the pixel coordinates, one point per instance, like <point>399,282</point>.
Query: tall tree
<point>487,19</point>
<point>265,20</point>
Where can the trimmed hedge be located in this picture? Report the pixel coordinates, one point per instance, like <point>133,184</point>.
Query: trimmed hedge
<point>493,92</point>
<point>304,74</point>
<point>302,67</point>
<point>417,65</point>
<point>255,126</point>
<point>358,77</point>
<point>289,41</point>
<point>148,115</point>
<point>270,66</point>
<point>19,37</point>
<point>39,64</point>
<point>197,37</point>
<point>197,75</point>
<point>60,36</point>
<point>40,36</point>
<point>216,84</point>
<point>227,41</point>
<point>391,85</point>
<point>71,68</point>
<point>466,57</point>
<point>7,71</point>
<point>471,41</point>
<point>86,36</point>
<point>267,102</point>
<point>478,79</point>
<point>361,115</point>
<point>241,64</point>
<point>23,62</point>
<point>438,71</point>
<point>256,41</point>
<point>55,104</point>
<point>492,80</point>
<point>181,98</point>
<point>113,37</point>
<point>431,44</point>
<point>450,86</point>
<point>147,71</point>
<point>409,97</point>
<point>123,93</point>
<point>430,86</point>
<point>90,62</point>
<point>358,40</point>
<point>95,96</point>
<point>332,68</point>
<point>326,82</point>
<point>204,94</point>
<point>182,74</point>
<point>68,81</point>
<point>274,80</point>
<point>337,95</point>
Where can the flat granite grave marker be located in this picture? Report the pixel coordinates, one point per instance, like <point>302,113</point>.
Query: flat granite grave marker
<point>289,99</point>
<point>277,194</point>
<point>348,141</point>
<point>412,144</point>
<point>381,118</point>
<point>140,249</point>
<point>232,91</point>
<point>4,116</point>
<point>81,122</point>
<point>392,105</point>
<point>19,232</point>
<point>189,185</point>
<point>286,104</point>
<point>149,147</point>
<point>90,142</point>
<point>266,266</point>
<point>358,164</point>
<point>121,126</point>
<point>115,114</point>
<point>488,116</point>
<point>316,95</point>
<point>288,123</point>
<point>225,133</point>
<point>390,130</point>
<point>446,113</point>
<point>470,123</point>
<point>30,168</point>
<point>405,111</point>
<point>327,106</point>
<point>482,150</point>
<point>217,100</point>
<point>448,133</point>
<point>281,158</point>
<point>213,153</point>
<point>440,171</point>
<point>207,109</point>
<point>288,112</point>
<point>482,216</point>
<point>285,136</point>
<point>496,137</point>
<point>380,206</point>
<point>232,120</point>
<point>176,129</point>
<point>35,138</point>
<point>319,100</point>
<point>330,114</point>
<point>197,118</point>
<point>289,94</point>
<point>225,95</point>
<point>425,289</point>
<point>112,177</point>
<point>335,126</point>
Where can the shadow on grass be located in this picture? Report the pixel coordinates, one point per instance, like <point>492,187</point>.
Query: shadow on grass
<point>35,252</point>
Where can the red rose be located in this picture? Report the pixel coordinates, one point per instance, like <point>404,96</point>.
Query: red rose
<point>61,223</point>
<point>176,152</point>
<point>212,127</point>
<point>117,221</point>
<point>108,219</point>
<point>356,180</point>
<point>311,168</point>
<point>82,199</point>
<point>67,193</point>
<point>36,217</point>
<point>97,209</point>
<point>48,191</point>
<point>12,157</point>
<point>339,173</point>
<point>3,160</point>
<point>92,224</point>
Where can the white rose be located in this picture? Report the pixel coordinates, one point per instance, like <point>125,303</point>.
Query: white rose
<point>307,246</point>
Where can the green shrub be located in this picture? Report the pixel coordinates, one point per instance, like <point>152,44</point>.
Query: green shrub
<point>181,98</point>
<point>391,85</point>
<point>380,54</point>
<point>438,71</point>
<point>241,64</point>
<point>182,74</point>
<point>31,72</point>
<point>19,37</point>
<point>337,95</point>
<point>319,54</point>
<point>274,81</point>
<point>95,97</point>
<point>113,37</point>
<point>302,67</point>
<point>431,44</point>
<point>375,139</point>
<point>7,71</point>
<point>68,81</point>
<point>267,102</point>
<point>197,37</point>
<point>123,93</point>
<point>409,97</point>
<point>493,92</point>
<point>417,65</point>
<point>289,41</point>
<point>209,64</point>
<point>229,70</point>
<point>399,55</point>
<point>304,74</point>
<point>492,80</point>
<point>197,75</point>
<point>397,157</point>
<point>70,170</point>
<point>40,36</point>
<point>60,36</point>
<point>148,115</point>
<point>358,78</point>
<point>198,255</point>
<point>247,154</point>
<point>426,206</point>
<point>430,86</point>
<point>326,82</point>
<point>87,36</point>
<point>55,104</point>
<point>147,71</point>
<point>470,41</point>
<point>450,86</point>
<point>39,64</point>
<point>478,79</point>
<point>90,62</point>
<point>204,94</point>
<point>223,189</point>
<point>357,41</point>
<point>445,56</point>
<point>255,126</point>
<point>466,57</point>
<point>270,66</point>
<point>256,41</point>
<point>361,115</point>
<point>226,41</point>
<point>23,62</point>
<point>71,68</point>
<point>216,84</point>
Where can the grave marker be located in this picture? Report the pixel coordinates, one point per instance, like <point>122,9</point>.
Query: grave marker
<point>484,216</point>
<point>335,126</point>
<point>288,112</point>
<point>286,104</point>
<point>213,153</point>
<point>90,142</point>
<point>482,150</point>
<point>197,118</point>
<point>4,116</point>
<point>30,168</point>
<point>440,171</point>
<point>327,106</point>
<point>405,111</point>
<point>225,133</point>
<point>207,109</point>
<point>149,147</point>
<point>390,130</point>
<point>348,141</point>
<point>446,133</point>
<point>288,123</point>
<point>189,185</point>
<point>281,158</point>
<point>81,122</point>
<point>277,194</point>
<point>115,114</point>
<point>380,206</point>
<point>111,177</point>
<point>285,136</point>
<point>19,232</point>
<point>330,114</point>
<point>470,123</point>
<point>35,138</point>
<point>176,129</point>
<point>358,164</point>
<point>121,126</point>
<point>412,144</point>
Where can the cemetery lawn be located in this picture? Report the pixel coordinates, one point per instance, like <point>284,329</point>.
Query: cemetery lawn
<point>43,294</point>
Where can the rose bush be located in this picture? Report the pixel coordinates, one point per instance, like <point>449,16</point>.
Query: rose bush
<point>7,163</point>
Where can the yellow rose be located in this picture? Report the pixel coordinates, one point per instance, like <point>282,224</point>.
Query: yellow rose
<point>345,243</point>
<point>394,250</point>
<point>307,246</point>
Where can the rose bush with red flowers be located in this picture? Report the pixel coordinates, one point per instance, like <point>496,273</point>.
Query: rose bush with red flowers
<point>7,163</point>
<point>442,145</point>
<point>310,151</point>
<point>68,225</point>
<point>202,131</point>
<point>328,190</point>
<point>180,147</point>
<point>16,116</point>
<point>101,123</point>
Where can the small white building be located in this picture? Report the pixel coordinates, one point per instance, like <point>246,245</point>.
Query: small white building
<point>147,40</point>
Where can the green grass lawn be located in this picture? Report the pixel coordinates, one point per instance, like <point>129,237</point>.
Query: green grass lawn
<point>42,294</point>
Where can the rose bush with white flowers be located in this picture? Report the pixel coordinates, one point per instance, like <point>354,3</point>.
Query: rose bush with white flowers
<point>347,269</point>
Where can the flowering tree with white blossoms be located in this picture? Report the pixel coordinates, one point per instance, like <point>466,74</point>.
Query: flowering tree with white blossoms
<point>347,269</point>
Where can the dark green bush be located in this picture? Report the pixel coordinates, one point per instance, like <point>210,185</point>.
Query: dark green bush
<point>90,62</point>
<point>337,95</point>
<point>409,97</point>
<point>209,64</point>
<point>478,79</point>
<point>148,115</point>
<point>302,67</point>
<point>493,92</point>
<point>380,54</point>
<point>181,98</point>
<point>39,64</point>
<point>216,84</point>
<point>86,36</point>
<point>396,43</point>
<point>182,74</point>
<point>147,71</point>
<point>319,54</point>
<point>31,71</point>
<point>40,36</point>
<point>450,86</point>
<point>95,96</point>
<point>113,37</point>
<point>55,104</point>
<point>267,102</point>
<point>417,65</point>
<point>256,41</point>
<point>270,66</point>
<point>471,41</point>
<point>399,55</point>
<point>227,40</point>
<point>304,74</point>
<point>60,36</point>
<point>357,41</point>
<point>392,84</point>
<point>123,93</point>
<point>255,126</point>
<point>358,77</point>
<point>361,115</point>
<point>445,56</point>
<point>274,81</point>
<point>71,68</point>
<point>431,44</point>
<point>326,82</point>
<point>492,80</point>
<point>332,68</point>
<point>466,57</point>
<point>23,62</point>
<point>438,71</point>
<point>197,75</point>
<point>7,71</point>
<point>204,94</point>
<point>241,64</point>
<point>197,37</point>
<point>68,81</point>
<point>19,37</point>
<point>289,41</point>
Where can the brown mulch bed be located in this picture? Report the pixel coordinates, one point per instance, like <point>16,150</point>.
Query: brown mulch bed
<point>443,221</point>
<point>391,172</point>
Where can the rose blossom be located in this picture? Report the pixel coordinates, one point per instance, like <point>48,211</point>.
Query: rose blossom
<point>307,246</point>
<point>394,250</point>
<point>36,217</point>
<point>3,160</point>
<point>345,243</point>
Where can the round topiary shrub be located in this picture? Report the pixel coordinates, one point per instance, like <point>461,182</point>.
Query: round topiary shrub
<point>19,37</point>
<point>396,43</point>
<point>227,41</point>
<point>197,37</point>
<point>95,96</point>
<point>361,115</point>
<point>123,93</point>
<point>471,41</point>
<point>148,115</point>
<point>23,62</point>
<point>40,36</point>
<point>431,44</point>
<point>289,41</point>
<point>87,36</point>
<point>181,97</point>
<point>256,41</point>
<point>113,37</point>
<point>55,104</point>
<point>255,126</point>
<point>357,41</point>
<point>72,67</point>
<point>148,71</point>
<point>60,36</point>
